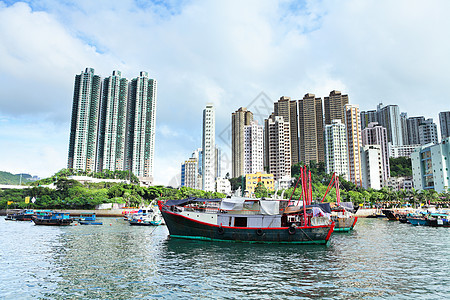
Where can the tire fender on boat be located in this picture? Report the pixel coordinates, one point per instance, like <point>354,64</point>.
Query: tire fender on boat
<point>291,230</point>
<point>259,232</point>
<point>220,230</point>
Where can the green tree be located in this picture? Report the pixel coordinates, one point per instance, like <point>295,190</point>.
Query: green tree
<point>260,190</point>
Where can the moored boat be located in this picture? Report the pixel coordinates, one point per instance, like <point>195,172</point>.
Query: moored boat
<point>390,214</point>
<point>148,217</point>
<point>88,219</point>
<point>245,220</point>
<point>53,219</point>
<point>342,213</point>
<point>250,220</point>
<point>21,215</point>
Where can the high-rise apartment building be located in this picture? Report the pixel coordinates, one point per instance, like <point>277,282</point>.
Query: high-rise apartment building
<point>336,157</point>
<point>287,108</point>
<point>113,121</point>
<point>239,119</point>
<point>368,117</point>
<point>371,170</point>
<point>375,134</point>
<point>253,148</point>
<point>353,125</point>
<point>208,149</point>
<point>389,117</point>
<point>218,158</point>
<point>334,107</point>
<point>113,128</point>
<point>444,122</point>
<point>412,124</point>
<point>404,127</point>
<point>141,125</point>
<point>428,132</point>
<point>85,126</point>
<point>278,147</point>
<point>310,120</point>
<point>189,173</point>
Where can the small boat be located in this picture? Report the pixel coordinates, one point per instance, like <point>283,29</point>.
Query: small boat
<point>88,219</point>
<point>149,217</point>
<point>390,214</point>
<point>53,219</point>
<point>417,219</point>
<point>345,220</point>
<point>21,215</point>
<point>438,220</point>
<point>342,213</point>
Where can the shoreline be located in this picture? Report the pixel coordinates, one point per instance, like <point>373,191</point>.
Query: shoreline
<point>361,213</point>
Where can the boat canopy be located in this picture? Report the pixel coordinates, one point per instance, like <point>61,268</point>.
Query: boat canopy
<point>190,199</point>
<point>266,207</point>
<point>348,206</point>
<point>323,206</point>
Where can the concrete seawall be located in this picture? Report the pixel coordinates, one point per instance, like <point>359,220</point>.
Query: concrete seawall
<point>78,212</point>
<point>364,212</point>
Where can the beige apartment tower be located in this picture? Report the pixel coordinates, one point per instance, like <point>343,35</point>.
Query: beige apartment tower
<point>335,107</point>
<point>310,123</point>
<point>354,143</point>
<point>287,108</point>
<point>240,118</point>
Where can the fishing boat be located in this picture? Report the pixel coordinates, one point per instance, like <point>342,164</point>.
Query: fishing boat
<point>88,219</point>
<point>417,218</point>
<point>53,219</point>
<point>438,219</point>
<point>390,214</point>
<point>149,217</point>
<point>21,215</point>
<point>239,219</point>
<point>342,213</point>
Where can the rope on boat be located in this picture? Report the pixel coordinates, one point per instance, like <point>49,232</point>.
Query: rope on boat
<point>305,234</point>
<point>153,230</point>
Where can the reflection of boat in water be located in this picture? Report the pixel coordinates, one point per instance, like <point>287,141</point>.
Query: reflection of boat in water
<point>248,220</point>
<point>149,217</point>
<point>88,219</point>
<point>53,219</point>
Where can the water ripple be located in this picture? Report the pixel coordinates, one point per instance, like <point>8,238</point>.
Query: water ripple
<point>379,260</point>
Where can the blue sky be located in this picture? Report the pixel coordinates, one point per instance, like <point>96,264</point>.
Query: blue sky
<point>227,53</point>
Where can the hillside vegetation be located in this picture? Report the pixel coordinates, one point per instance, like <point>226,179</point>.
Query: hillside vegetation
<point>14,179</point>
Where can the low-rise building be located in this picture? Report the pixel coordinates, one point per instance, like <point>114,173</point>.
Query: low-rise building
<point>400,183</point>
<point>396,151</point>
<point>252,180</point>
<point>284,182</point>
<point>371,167</point>
<point>223,186</point>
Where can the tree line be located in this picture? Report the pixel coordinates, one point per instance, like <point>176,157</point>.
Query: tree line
<point>71,194</point>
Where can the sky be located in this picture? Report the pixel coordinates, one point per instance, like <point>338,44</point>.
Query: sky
<point>229,53</point>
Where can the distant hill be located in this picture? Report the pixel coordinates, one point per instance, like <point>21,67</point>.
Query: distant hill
<point>8,178</point>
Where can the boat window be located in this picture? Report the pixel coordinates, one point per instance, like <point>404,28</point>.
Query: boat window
<point>240,222</point>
